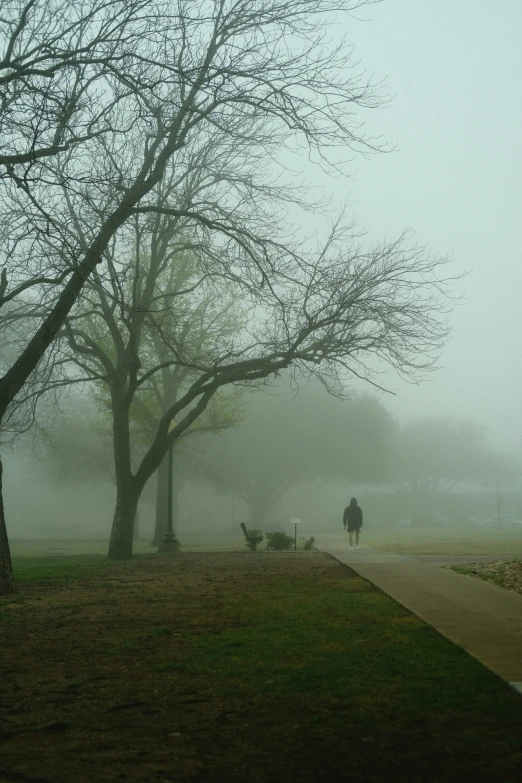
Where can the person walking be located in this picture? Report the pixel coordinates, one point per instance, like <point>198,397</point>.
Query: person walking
<point>352,520</point>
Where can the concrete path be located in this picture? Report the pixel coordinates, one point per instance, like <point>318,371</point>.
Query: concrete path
<point>484,619</point>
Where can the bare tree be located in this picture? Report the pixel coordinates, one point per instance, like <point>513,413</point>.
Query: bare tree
<point>76,88</point>
<point>55,59</point>
<point>57,67</point>
<point>326,316</point>
<point>132,320</point>
<point>155,312</point>
<point>165,75</point>
<point>229,66</point>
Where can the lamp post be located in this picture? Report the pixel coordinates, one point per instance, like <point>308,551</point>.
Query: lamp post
<point>295,521</point>
<point>169,542</point>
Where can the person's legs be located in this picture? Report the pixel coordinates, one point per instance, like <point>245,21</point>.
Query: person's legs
<point>357,537</point>
<point>350,538</point>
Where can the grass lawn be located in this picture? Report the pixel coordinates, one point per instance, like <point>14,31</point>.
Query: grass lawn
<point>192,542</point>
<point>403,540</point>
<point>444,540</point>
<point>241,667</point>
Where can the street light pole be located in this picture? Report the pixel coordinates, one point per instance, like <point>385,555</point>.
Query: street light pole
<point>169,542</point>
<point>295,522</point>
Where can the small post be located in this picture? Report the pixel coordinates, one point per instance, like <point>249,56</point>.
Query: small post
<point>295,521</point>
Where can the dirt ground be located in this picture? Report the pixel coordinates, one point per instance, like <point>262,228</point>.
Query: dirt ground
<point>109,677</point>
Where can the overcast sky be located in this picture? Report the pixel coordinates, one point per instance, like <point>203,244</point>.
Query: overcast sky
<point>454,68</point>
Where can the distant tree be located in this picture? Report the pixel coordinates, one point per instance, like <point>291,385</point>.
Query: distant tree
<point>434,454</point>
<point>288,439</point>
<point>76,452</point>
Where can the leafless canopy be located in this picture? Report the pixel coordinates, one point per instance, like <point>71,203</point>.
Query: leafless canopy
<point>177,121</point>
<point>136,95</point>
<point>107,94</point>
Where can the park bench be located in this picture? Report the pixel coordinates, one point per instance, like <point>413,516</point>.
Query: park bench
<point>253,537</point>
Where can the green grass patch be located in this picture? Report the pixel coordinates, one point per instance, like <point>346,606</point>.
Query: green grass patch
<point>339,644</point>
<point>63,568</point>
<point>250,667</point>
<point>34,570</point>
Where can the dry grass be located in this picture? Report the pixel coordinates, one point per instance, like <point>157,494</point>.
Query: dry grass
<point>507,575</point>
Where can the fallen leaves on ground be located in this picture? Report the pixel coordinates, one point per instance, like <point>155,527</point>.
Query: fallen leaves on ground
<point>508,575</point>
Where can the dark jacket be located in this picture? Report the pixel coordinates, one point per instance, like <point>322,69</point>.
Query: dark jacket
<point>352,516</point>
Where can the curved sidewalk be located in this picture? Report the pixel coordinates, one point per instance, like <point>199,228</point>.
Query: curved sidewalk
<point>484,619</point>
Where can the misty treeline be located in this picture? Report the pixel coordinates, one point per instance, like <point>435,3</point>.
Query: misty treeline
<point>150,182</point>
<point>285,439</point>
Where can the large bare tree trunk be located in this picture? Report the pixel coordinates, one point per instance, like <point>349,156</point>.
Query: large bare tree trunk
<point>122,533</point>
<point>127,492</point>
<point>7,584</point>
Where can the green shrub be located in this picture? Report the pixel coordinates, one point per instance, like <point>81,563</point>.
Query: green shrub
<point>309,544</point>
<point>278,541</point>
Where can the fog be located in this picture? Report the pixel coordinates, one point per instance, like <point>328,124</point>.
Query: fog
<point>455,120</point>
<point>452,175</point>
<point>295,451</point>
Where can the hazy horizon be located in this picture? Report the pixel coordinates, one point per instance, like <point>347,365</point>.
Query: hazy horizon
<point>455,120</point>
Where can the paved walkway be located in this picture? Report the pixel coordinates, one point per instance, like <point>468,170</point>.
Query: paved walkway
<point>484,619</point>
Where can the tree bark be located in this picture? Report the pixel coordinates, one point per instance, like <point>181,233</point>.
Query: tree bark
<point>122,533</point>
<point>127,491</point>
<point>7,584</point>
